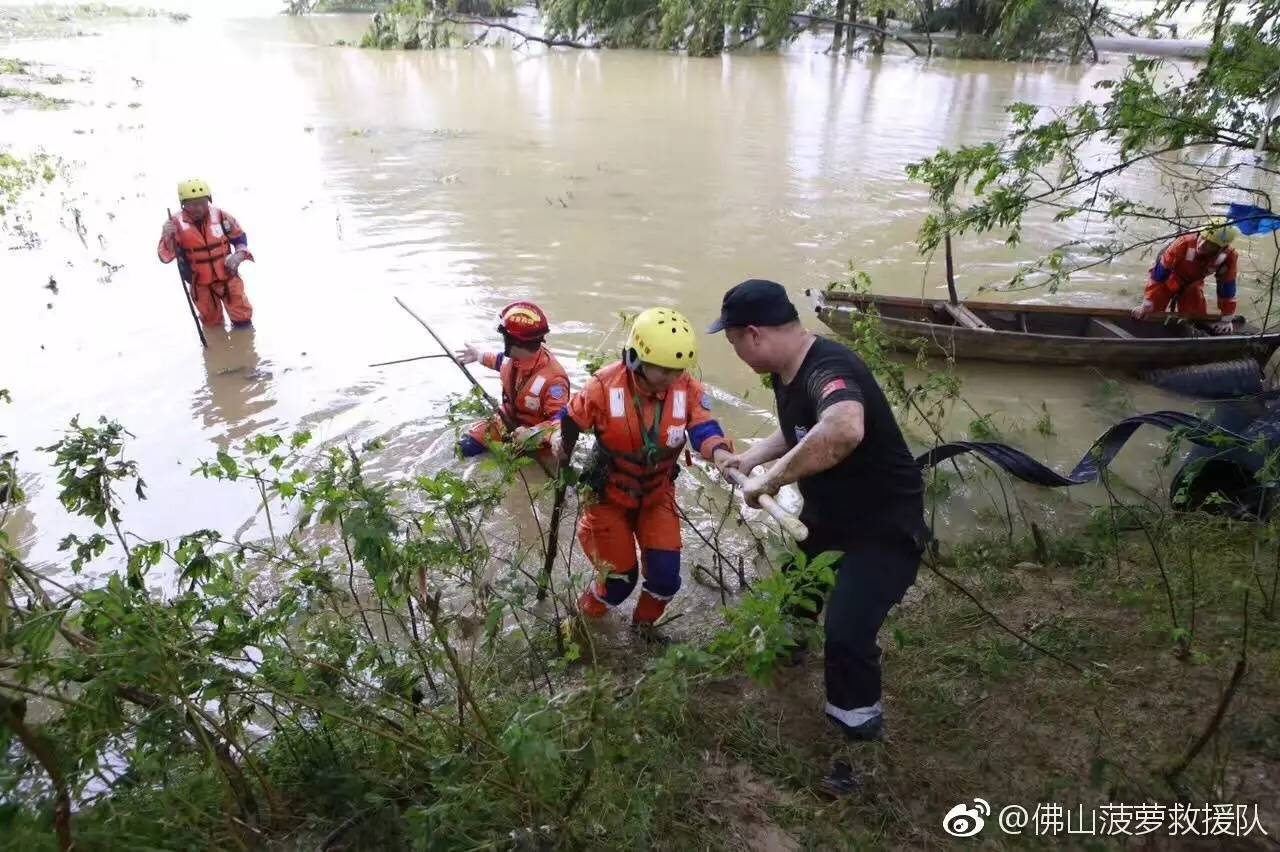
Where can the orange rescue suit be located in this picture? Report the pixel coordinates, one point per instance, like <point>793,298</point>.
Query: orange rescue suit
<point>204,248</point>
<point>1179,274</point>
<point>534,390</point>
<point>639,438</point>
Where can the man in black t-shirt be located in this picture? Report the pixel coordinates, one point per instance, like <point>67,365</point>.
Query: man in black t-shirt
<point>863,492</point>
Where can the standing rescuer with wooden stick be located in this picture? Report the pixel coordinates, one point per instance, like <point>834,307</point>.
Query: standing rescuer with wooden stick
<point>863,492</point>
<point>210,244</point>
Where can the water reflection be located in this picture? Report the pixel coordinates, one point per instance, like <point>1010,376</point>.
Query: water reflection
<point>237,385</point>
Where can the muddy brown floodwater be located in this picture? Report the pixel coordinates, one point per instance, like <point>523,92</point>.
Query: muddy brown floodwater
<point>458,180</point>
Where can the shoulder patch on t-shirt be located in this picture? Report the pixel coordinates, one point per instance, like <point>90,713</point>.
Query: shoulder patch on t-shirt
<point>706,401</point>
<point>831,387</point>
<point>556,392</point>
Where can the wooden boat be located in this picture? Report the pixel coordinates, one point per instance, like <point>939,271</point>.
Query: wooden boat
<point>1044,334</point>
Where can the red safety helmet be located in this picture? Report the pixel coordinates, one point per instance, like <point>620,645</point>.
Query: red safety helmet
<point>523,322</point>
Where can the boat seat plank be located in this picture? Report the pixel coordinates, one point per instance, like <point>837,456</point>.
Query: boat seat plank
<point>1110,329</point>
<point>965,317</point>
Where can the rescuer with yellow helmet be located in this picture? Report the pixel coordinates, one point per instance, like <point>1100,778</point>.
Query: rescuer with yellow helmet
<point>209,245</point>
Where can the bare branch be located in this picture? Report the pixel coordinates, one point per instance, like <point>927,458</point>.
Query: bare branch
<point>549,42</point>
<point>820,19</point>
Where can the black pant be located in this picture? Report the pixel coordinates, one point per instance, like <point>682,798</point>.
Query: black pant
<point>871,577</point>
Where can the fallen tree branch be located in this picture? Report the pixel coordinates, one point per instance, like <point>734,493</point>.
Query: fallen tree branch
<point>13,716</point>
<point>746,39</point>
<point>820,19</point>
<point>933,566</point>
<point>549,42</point>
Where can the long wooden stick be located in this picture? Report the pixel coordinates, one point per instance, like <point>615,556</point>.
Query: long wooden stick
<point>793,525</point>
<point>493,404</point>
<point>186,296</point>
<point>951,274</point>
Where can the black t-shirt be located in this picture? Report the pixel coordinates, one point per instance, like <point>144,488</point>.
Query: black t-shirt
<point>877,491</point>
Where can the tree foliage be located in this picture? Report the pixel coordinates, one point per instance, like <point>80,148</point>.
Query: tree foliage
<point>1194,135</point>
<point>208,692</point>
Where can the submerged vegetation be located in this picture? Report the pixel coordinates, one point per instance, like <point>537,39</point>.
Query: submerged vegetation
<point>16,76</point>
<point>41,20</point>
<point>19,175</point>
<point>1025,29</point>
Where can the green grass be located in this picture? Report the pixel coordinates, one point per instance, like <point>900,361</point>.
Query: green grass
<point>726,763</point>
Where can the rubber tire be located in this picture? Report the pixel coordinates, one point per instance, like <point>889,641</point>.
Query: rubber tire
<point>1271,372</point>
<point>1223,380</point>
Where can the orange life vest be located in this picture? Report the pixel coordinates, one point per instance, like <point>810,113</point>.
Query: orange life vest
<point>529,389</point>
<point>643,435</point>
<point>205,248</point>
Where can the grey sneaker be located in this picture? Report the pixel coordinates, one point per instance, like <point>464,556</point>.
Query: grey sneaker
<point>840,782</point>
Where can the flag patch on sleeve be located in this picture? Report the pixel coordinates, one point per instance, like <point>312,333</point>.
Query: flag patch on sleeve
<point>831,387</point>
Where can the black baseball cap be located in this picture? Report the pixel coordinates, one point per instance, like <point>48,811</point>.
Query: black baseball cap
<point>755,302</point>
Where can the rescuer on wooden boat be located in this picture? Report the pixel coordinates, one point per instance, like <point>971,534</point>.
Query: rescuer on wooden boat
<point>209,245</point>
<point>1176,282</point>
<point>643,410</point>
<point>863,491</point>
<point>535,388</point>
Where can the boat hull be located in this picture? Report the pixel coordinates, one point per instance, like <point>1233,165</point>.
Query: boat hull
<point>1042,334</point>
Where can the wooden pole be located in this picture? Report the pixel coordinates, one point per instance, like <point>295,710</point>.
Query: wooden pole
<point>951,274</point>
<point>789,522</point>
<point>186,296</point>
<point>497,409</point>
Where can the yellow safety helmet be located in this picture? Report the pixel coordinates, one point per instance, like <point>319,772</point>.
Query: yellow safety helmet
<point>663,337</point>
<point>1220,233</point>
<point>190,190</point>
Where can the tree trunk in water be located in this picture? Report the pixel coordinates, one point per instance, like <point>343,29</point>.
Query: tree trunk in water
<point>882,20</point>
<point>853,19</point>
<point>926,15</point>
<point>1084,33</point>
<point>837,40</point>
